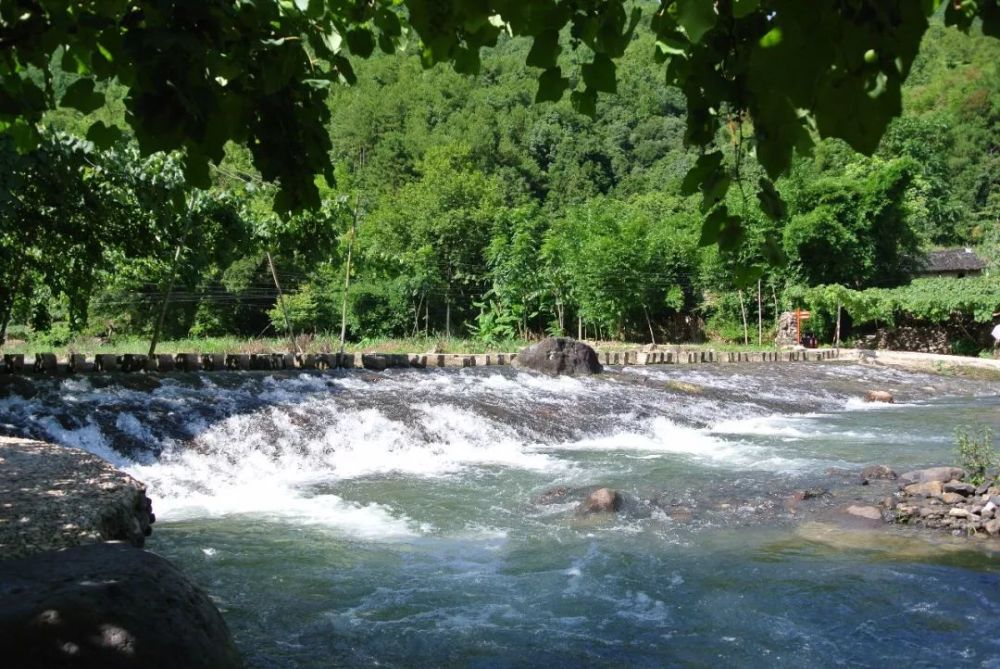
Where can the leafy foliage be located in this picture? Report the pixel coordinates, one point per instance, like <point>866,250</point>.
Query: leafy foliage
<point>975,453</point>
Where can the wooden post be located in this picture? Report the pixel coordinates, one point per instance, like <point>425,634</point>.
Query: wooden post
<point>281,303</point>
<point>798,327</point>
<point>579,327</point>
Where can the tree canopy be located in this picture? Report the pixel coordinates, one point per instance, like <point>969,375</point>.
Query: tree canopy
<point>773,73</point>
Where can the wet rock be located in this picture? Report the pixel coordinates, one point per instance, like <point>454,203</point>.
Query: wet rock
<point>879,396</point>
<point>951,498</point>
<point>559,355</point>
<point>556,495</point>
<point>960,487</point>
<point>683,387</point>
<point>602,500</point>
<point>941,474</point>
<point>867,512</point>
<point>878,473</point>
<point>928,489</point>
<point>107,605</point>
<point>956,512</point>
<point>58,496</point>
<point>809,493</point>
<point>992,527</point>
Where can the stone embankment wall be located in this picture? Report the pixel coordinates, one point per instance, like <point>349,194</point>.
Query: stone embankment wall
<point>49,364</point>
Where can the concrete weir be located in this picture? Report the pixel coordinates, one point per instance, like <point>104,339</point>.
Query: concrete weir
<point>48,364</point>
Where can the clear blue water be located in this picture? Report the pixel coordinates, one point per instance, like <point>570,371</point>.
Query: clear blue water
<point>394,520</point>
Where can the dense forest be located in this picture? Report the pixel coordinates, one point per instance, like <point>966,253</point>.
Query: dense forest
<point>460,207</point>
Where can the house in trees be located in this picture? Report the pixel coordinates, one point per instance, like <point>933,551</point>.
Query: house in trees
<point>957,263</point>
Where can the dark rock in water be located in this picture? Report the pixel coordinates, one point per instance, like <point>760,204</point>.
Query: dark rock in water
<point>559,355</point>
<point>878,473</point>
<point>960,487</point>
<point>107,605</point>
<point>879,396</point>
<point>602,500</point>
<point>941,474</point>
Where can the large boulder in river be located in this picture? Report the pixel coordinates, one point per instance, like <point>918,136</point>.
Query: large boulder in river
<point>602,500</point>
<point>559,355</point>
<point>879,396</point>
<point>942,474</point>
<point>107,605</point>
<point>878,473</point>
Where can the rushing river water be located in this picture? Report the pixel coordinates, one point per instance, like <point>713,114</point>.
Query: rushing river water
<point>354,519</point>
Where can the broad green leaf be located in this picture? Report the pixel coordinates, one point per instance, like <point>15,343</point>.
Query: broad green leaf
<point>585,102</point>
<point>551,85</point>
<point>770,200</point>
<point>545,50</point>
<point>697,17</point>
<point>743,8</point>
<point>103,136</point>
<point>80,95</point>
<point>361,42</point>
<point>706,164</point>
<point>599,75</point>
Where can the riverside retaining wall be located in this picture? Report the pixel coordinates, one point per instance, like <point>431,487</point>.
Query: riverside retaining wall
<point>51,365</point>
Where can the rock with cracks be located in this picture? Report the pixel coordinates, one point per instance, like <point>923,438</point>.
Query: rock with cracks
<point>559,355</point>
<point>108,605</point>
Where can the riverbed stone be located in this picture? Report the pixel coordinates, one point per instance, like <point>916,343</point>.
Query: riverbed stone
<point>602,500</point>
<point>951,497</point>
<point>879,396</point>
<point>958,512</point>
<point>960,487</point>
<point>941,474</point>
<point>108,605</point>
<point>992,527</point>
<point>927,489</point>
<point>559,355</point>
<point>878,473</point>
<point>867,512</point>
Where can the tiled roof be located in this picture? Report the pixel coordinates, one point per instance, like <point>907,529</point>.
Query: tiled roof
<point>952,260</point>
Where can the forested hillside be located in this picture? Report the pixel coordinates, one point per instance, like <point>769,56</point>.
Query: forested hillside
<point>466,210</point>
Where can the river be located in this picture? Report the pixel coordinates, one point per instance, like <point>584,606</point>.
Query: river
<point>400,519</point>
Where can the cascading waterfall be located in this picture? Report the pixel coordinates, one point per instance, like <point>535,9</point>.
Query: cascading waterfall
<point>349,518</point>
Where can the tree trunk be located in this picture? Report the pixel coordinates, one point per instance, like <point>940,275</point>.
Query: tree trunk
<point>427,319</point>
<point>347,275</point>
<point>760,317</point>
<point>836,331</point>
<point>777,313</point>
<point>743,310</point>
<point>579,326</point>
<point>166,300</point>
<point>652,336</point>
<point>447,313</point>
<point>281,303</point>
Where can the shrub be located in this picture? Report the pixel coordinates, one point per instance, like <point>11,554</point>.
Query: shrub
<point>975,452</point>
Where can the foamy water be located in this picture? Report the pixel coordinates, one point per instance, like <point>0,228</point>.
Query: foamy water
<point>358,519</point>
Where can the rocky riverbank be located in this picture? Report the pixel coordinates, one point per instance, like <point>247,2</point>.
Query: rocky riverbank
<point>54,497</point>
<point>76,588</point>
